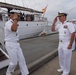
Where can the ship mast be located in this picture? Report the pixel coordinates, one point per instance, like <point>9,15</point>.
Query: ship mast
<point>5,1</point>
<point>23,3</point>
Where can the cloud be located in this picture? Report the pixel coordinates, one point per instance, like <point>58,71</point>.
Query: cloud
<point>53,6</point>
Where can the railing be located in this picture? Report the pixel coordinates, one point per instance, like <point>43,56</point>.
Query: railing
<point>2,37</point>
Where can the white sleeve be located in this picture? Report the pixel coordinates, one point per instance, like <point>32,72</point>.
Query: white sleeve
<point>57,26</point>
<point>75,27</point>
<point>8,25</point>
<point>71,27</point>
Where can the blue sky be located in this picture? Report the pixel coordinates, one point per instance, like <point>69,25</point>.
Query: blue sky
<point>54,6</point>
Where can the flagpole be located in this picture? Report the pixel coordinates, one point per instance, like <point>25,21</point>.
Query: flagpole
<point>44,30</point>
<point>43,14</point>
<point>44,10</point>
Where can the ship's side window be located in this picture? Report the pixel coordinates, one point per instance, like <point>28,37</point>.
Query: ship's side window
<point>32,17</point>
<point>21,17</point>
<point>29,17</point>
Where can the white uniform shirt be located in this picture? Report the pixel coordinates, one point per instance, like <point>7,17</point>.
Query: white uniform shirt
<point>65,31</point>
<point>10,36</point>
<point>75,29</point>
<point>74,26</point>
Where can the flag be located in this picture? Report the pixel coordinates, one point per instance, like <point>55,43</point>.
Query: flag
<point>44,9</point>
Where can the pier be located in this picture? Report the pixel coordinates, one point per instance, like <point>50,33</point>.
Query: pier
<point>51,67</point>
<point>34,49</point>
<point>41,56</point>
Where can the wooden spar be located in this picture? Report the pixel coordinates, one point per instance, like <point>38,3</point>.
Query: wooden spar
<point>11,6</point>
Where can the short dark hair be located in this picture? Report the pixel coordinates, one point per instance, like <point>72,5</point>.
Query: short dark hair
<point>10,13</point>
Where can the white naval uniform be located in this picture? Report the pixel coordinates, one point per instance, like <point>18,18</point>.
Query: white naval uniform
<point>64,53</point>
<point>75,34</point>
<point>14,50</point>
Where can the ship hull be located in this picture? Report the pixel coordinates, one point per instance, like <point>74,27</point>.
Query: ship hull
<point>27,29</point>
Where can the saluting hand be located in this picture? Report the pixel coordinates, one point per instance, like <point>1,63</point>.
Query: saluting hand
<point>55,20</point>
<point>15,17</point>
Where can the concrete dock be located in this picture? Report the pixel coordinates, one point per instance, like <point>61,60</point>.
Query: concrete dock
<point>36,50</point>
<point>41,56</point>
<point>51,67</point>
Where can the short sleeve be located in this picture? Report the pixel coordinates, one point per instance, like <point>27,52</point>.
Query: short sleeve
<point>8,25</point>
<point>57,26</point>
<point>71,28</point>
<point>75,27</point>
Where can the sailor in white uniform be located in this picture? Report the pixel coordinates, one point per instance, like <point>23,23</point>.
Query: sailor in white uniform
<point>74,23</point>
<point>12,45</point>
<point>66,42</point>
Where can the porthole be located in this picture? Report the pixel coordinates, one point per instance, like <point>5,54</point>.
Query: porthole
<point>26,24</point>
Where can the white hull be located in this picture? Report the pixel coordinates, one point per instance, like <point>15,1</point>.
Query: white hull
<point>28,29</point>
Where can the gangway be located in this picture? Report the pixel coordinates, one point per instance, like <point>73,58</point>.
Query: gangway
<point>4,58</point>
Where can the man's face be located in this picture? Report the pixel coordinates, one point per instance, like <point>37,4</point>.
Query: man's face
<point>62,18</point>
<point>15,16</point>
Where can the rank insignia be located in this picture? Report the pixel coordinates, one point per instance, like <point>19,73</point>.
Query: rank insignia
<point>65,26</point>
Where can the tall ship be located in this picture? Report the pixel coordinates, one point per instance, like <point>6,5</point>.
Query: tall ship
<point>31,21</point>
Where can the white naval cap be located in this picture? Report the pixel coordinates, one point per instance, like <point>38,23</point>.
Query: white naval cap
<point>62,13</point>
<point>14,11</point>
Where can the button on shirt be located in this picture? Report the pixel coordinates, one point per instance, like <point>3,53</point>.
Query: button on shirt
<point>10,36</point>
<point>65,30</point>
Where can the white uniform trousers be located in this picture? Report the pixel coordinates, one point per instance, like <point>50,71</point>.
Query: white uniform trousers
<point>16,56</point>
<point>65,56</point>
